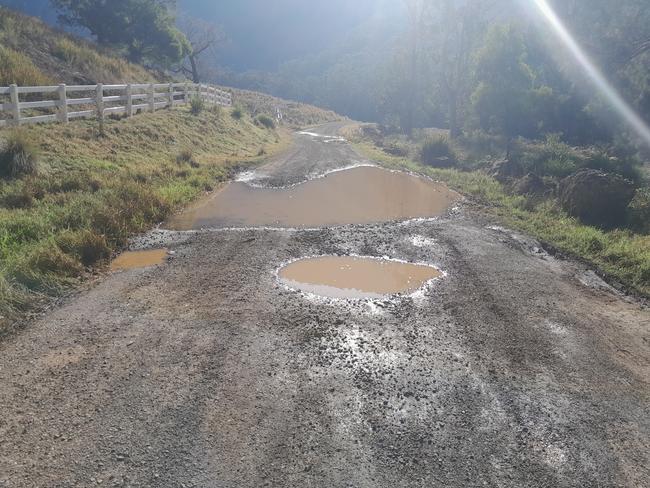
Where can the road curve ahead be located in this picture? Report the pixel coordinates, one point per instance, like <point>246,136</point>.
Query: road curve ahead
<point>514,370</point>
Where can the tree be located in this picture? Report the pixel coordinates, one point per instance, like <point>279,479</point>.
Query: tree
<point>505,83</point>
<point>616,32</point>
<point>455,30</point>
<point>143,28</point>
<point>203,38</point>
<point>415,10</point>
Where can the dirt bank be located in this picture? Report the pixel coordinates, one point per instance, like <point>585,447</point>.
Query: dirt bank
<point>514,370</point>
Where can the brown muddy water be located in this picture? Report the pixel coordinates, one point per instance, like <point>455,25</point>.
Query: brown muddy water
<point>362,195</point>
<point>139,259</point>
<point>355,278</point>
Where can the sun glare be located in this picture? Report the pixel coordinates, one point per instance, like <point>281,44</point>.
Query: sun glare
<point>594,74</point>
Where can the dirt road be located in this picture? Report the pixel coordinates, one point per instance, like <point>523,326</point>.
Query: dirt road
<point>515,370</point>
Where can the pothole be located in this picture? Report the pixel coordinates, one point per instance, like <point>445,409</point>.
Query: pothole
<point>139,259</point>
<point>361,195</point>
<point>356,277</point>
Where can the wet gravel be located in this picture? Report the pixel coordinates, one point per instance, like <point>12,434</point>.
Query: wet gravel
<point>512,371</point>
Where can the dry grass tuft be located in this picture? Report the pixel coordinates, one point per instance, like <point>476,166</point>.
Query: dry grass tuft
<point>18,157</point>
<point>17,68</point>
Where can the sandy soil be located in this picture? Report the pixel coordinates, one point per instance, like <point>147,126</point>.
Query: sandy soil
<point>515,370</point>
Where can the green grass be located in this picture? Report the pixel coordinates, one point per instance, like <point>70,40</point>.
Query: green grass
<point>622,255</point>
<point>93,192</point>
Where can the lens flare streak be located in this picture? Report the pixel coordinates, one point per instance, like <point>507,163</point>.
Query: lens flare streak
<point>596,77</point>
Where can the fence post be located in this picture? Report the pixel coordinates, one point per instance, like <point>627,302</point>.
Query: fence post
<point>63,104</point>
<point>171,95</point>
<point>129,100</point>
<point>186,97</point>
<point>99,100</point>
<point>15,104</point>
<point>152,97</point>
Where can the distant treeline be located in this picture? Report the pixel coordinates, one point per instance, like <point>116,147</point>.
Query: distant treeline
<point>490,65</point>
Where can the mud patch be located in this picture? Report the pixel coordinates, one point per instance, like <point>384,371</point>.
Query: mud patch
<point>355,277</point>
<point>139,259</point>
<point>362,195</point>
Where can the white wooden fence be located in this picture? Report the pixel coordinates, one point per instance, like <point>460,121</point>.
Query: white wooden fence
<point>65,102</point>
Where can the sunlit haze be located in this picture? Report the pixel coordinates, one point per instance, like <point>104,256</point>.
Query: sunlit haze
<point>592,71</point>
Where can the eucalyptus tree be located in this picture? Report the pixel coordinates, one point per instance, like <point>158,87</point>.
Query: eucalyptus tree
<point>204,38</point>
<point>144,29</point>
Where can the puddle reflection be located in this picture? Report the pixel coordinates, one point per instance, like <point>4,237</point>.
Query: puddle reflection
<point>356,278</point>
<point>362,195</point>
<point>139,259</point>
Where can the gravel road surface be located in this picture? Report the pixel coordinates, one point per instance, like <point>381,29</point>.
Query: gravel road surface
<point>515,370</point>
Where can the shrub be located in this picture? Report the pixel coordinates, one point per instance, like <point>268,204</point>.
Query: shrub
<point>17,156</point>
<point>50,259</point>
<point>184,157</point>
<point>197,105</point>
<point>398,149</point>
<point>639,211</point>
<point>85,245</point>
<point>482,144</point>
<point>15,299</point>
<point>628,167</point>
<point>126,209</point>
<point>437,151</point>
<point>266,121</point>
<point>237,113</point>
<point>72,183</point>
<point>551,158</point>
<point>17,199</point>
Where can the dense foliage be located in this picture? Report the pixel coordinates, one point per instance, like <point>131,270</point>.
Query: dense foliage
<point>145,29</point>
<point>493,65</point>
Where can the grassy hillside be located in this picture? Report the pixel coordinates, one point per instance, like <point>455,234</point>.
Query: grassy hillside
<point>71,196</point>
<point>622,255</point>
<point>91,192</point>
<point>294,114</point>
<point>32,53</point>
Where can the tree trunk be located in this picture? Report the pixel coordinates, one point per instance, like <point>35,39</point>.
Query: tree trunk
<point>195,70</point>
<point>454,129</point>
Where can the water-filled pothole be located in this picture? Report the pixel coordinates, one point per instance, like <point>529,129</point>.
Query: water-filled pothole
<point>355,277</point>
<point>362,195</point>
<point>139,259</point>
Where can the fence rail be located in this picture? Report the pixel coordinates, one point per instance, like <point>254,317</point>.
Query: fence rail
<point>62,103</point>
